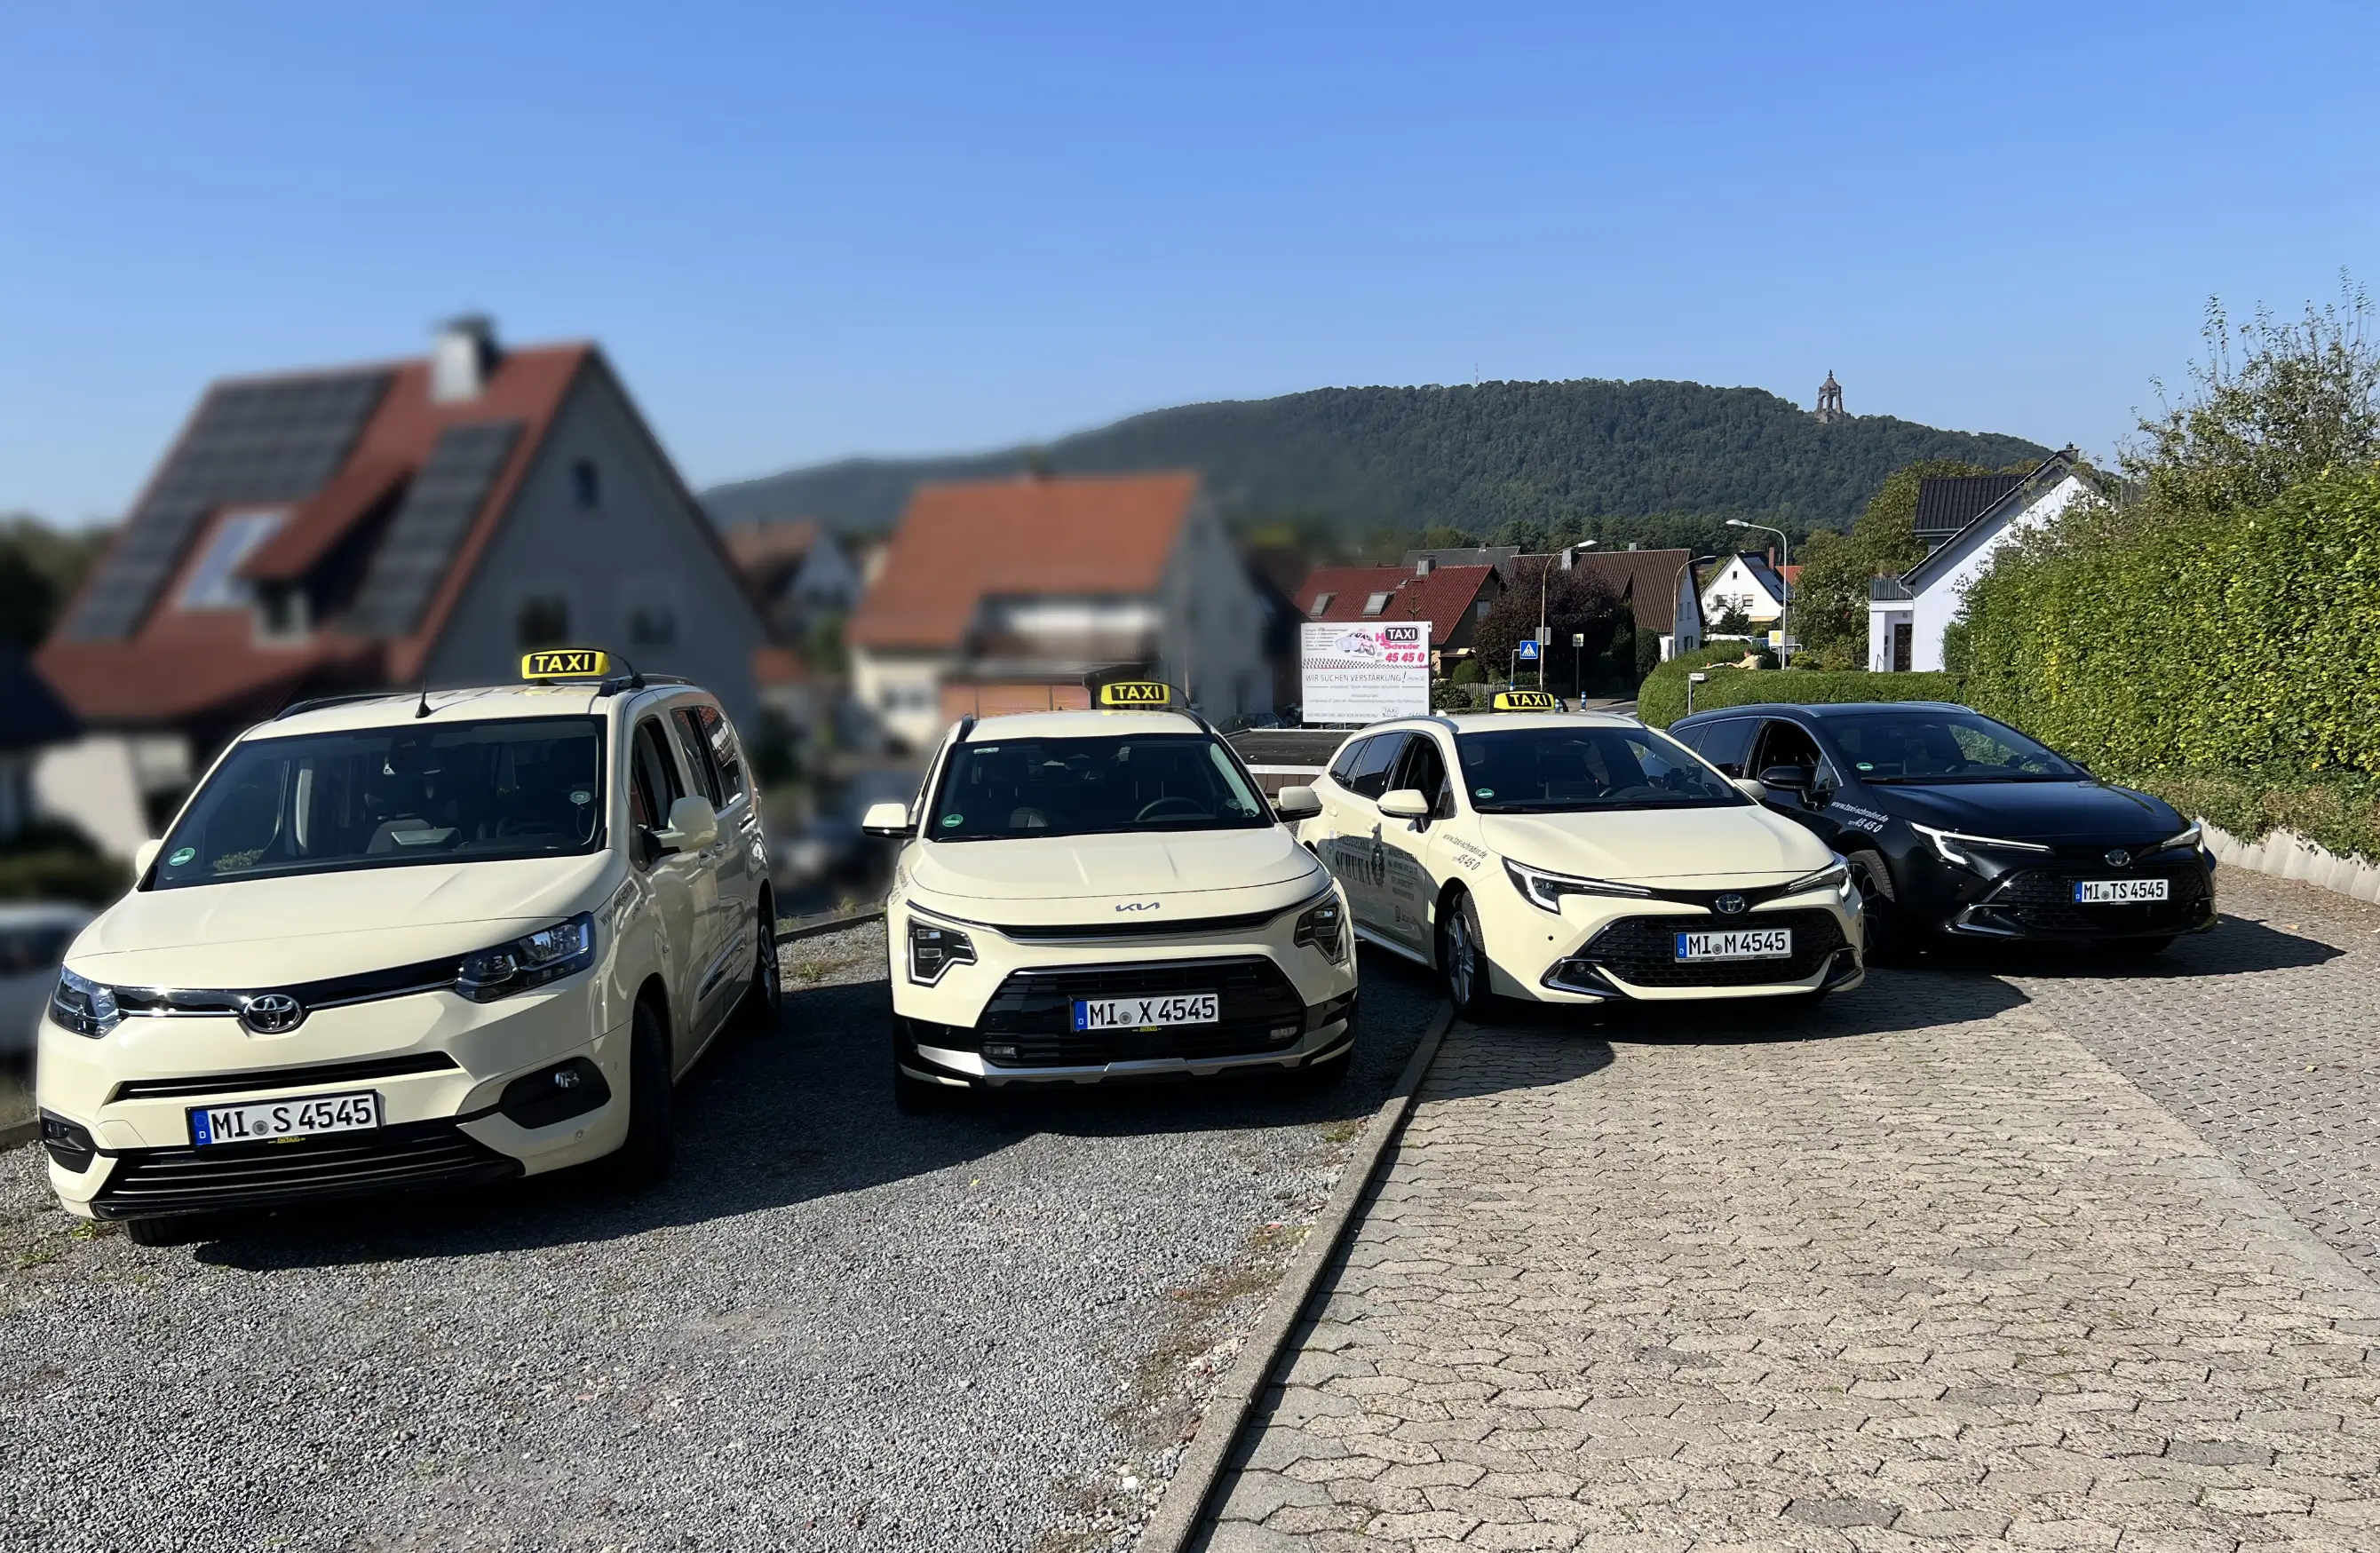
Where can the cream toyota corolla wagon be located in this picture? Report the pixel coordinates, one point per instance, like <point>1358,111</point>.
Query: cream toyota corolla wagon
<point>1578,859</point>
<point>404,941</point>
<point>1086,896</point>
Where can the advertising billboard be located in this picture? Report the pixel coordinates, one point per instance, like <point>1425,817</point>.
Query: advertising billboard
<point>1363,671</point>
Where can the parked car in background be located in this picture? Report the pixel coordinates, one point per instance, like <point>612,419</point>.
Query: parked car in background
<point>1956,826</point>
<point>33,938</point>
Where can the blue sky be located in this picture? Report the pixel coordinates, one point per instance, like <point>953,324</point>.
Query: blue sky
<point>806,233</point>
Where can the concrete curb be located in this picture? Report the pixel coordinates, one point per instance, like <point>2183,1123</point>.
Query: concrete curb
<point>2287,855</point>
<point>789,929</point>
<point>1178,1514</point>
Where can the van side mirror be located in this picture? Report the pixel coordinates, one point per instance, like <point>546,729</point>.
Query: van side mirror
<point>1296,803</point>
<point>692,825</point>
<point>890,820</point>
<point>1405,803</point>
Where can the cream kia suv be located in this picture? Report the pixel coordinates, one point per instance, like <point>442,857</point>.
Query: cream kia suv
<point>409,942</point>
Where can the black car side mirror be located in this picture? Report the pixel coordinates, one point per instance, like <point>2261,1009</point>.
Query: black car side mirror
<point>1790,779</point>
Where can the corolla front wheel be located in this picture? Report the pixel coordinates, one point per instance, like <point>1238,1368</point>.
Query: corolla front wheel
<point>1464,958</point>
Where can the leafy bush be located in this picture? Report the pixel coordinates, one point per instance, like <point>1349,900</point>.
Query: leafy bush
<point>1663,699</point>
<point>49,861</point>
<point>2338,810</point>
<point>1467,672</point>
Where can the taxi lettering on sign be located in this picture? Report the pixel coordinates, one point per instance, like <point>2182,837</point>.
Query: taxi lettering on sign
<point>1135,693</point>
<point>1527,701</point>
<point>566,663</point>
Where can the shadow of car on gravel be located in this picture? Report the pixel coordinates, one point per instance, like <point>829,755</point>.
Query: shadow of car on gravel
<point>1889,999</point>
<point>807,1113</point>
<point>2236,946</point>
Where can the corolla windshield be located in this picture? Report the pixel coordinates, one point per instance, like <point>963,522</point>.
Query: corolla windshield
<point>380,797</point>
<point>1088,787</point>
<point>1930,745</point>
<point>1566,771</point>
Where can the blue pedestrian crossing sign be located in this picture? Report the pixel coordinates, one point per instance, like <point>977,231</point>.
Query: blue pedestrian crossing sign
<point>1528,653</point>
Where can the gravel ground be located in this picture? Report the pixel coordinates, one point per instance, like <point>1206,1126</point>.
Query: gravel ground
<point>835,1327</point>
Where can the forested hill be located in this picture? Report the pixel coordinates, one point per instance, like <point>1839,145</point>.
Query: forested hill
<point>1549,454</point>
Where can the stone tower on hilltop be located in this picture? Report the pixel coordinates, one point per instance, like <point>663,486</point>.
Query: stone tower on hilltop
<point>1830,402</point>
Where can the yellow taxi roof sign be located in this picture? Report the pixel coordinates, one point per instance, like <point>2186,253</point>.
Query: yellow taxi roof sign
<point>566,663</point>
<point>1527,701</point>
<point>1136,693</point>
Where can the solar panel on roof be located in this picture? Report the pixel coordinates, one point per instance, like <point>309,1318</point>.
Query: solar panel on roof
<point>277,440</point>
<point>429,526</point>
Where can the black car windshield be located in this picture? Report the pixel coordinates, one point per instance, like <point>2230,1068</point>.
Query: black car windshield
<point>1931,744</point>
<point>383,797</point>
<point>1077,787</point>
<point>1564,771</point>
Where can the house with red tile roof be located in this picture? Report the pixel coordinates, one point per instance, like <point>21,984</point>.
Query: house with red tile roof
<point>999,595</point>
<point>401,523</point>
<point>1454,600</point>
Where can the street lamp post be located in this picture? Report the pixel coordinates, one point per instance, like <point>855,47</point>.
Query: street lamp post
<point>1784,609</point>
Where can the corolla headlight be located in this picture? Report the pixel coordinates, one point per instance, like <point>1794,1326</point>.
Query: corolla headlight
<point>1956,847</point>
<point>1546,890</point>
<point>1833,876</point>
<point>531,960</point>
<point>84,1006</point>
<point>2193,837</point>
<point>1324,925</point>
<point>935,947</point>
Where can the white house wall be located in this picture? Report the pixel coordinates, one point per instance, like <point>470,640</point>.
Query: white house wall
<point>637,546</point>
<point>1938,603</point>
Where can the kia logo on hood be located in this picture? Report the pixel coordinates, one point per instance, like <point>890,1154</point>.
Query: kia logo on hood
<point>271,1013</point>
<point>1139,905</point>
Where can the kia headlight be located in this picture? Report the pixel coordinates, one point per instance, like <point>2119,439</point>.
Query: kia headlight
<point>1323,926</point>
<point>1956,848</point>
<point>1833,876</point>
<point>84,1006</point>
<point>1546,890</point>
<point>935,947</point>
<point>531,960</point>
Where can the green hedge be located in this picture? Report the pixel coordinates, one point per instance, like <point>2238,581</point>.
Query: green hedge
<point>2340,810</point>
<point>60,874</point>
<point>1663,699</point>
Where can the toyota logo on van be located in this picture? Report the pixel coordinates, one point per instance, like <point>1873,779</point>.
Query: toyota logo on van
<point>271,1013</point>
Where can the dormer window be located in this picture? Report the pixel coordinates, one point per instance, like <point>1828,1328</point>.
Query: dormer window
<point>1376,603</point>
<point>587,485</point>
<point>1321,602</point>
<point>216,582</point>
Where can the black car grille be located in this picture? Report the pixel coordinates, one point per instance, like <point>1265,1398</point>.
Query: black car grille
<point>1034,1011</point>
<point>1641,951</point>
<point>161,1181</point>
<point>2042,901</point>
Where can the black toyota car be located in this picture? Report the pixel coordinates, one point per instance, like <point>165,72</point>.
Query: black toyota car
<point>1957,826</point>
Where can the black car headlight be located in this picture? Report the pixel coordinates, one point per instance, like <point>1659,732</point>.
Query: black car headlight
<point>2192,837</point>
<point>531,960</point>
<point>84,1006</point>
<point>1958,848</point>
<point>1323,926</point>
<point>935,947</point>
<point>1544,890</point>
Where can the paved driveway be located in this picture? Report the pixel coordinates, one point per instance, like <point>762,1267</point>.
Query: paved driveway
<point>1938,1266</point>
<point>833,1328</point>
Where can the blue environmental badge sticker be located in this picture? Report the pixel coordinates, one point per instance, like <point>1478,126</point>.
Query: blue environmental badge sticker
<point>1482,792</point>
<point>950,820</point>
<point>182,854</point>
<point>579,795</point>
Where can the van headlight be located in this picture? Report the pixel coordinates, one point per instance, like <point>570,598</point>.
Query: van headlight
<point>84,1006</point>
<point>935,947</point>
<point>1323,926</point>
<point>531,960</point>
<point>1544,890</point>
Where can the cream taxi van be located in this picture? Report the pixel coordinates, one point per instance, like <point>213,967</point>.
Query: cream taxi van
<point>1099,895</point>
<point>1577,858</point>
<point>414,941</point>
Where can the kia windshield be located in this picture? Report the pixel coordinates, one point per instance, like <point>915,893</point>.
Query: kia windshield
<point>1904,745</point>
<point>1153,783</point>
<point>1569,771</point>
<point>385,797</point>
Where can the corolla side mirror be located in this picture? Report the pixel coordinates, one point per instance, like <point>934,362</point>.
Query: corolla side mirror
<point>887,820</point>
<point>1405,803</point>
<point>692,825</point>
<point>1749,788</point>
<point>142,855</point>
<point>1296,803</point>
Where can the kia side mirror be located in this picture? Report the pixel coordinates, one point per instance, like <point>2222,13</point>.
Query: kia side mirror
<point>889,820</point>
<point>692,825</point>
<point>1296,803</point>
<point>1405,803</point>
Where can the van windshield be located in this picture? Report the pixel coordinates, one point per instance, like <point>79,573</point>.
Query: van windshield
<point>384,797</point>
<point>1078,787</point>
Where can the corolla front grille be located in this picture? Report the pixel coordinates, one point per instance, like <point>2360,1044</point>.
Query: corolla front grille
<point>2042,901</point>
<point>1641,951</point>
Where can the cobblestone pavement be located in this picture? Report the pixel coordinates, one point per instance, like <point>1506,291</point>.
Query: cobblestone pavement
<point>1918,1271</point>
